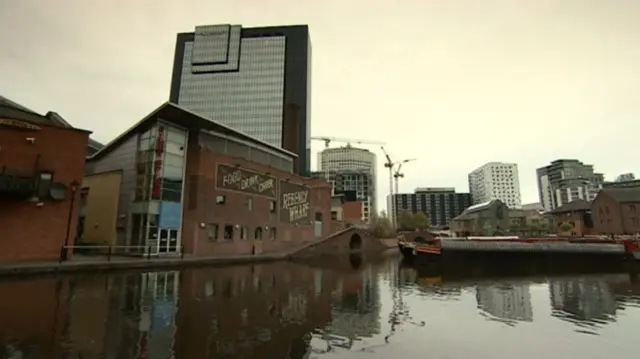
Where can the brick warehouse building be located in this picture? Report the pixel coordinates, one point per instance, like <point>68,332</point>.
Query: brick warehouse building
<point>40,158</point>
<point>178,179</point>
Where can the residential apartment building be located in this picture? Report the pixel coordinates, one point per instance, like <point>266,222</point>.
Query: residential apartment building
<point>255,80</point>
<point>354,186</point>
<point>440,204</point>
<point>567,180</point>
<point>351,170</point>
<point>496,180</point>
<point>626,180</point>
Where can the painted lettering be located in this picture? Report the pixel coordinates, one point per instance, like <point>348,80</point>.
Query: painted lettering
<point>244,181</point>
<point>299,211</point>
<point>294,198</point>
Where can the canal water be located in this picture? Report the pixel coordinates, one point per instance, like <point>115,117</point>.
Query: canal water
<point>322,310</point>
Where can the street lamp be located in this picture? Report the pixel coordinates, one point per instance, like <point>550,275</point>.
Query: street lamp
<point>73,187</point>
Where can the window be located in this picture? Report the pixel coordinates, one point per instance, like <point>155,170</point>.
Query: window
<point>171,172</point>
<point>221,199</point>
<point>171,195</point>
<point>228,232</point>
<point>212,232</point>
<point>272,234</point>
<point>175,161</point>
<point>606,210</point>
<point>243,233</point>
<point>272,206</point>
<point>632,208</point>
<point>44,184</point>
<point>177,137</point>
<point>249,203</point>
<point>257,234</point>
<point>174,149</point>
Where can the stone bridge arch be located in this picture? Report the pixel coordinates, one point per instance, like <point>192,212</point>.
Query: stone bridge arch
<point>350,240</point>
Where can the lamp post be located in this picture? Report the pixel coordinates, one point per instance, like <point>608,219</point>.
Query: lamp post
<point>74,188</point>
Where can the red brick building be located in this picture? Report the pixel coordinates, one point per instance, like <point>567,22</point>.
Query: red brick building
<point>616,211</point>
<point>40,158</point>
<point>573,219</point>
<point>188,182</point>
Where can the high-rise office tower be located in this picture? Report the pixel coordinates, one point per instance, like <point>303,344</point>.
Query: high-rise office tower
<point>566,180</point>
<point>496,180</point>
<point>254,80</point>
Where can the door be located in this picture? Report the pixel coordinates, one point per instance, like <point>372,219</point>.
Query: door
<point>163,242</point>
<point>173,241</point>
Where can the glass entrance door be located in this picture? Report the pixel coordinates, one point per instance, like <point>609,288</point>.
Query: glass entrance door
<point>167,240</point>
<point>163,242</point>
<point>173,241</point>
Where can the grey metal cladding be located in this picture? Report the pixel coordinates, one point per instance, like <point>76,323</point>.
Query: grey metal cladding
<point>210,44</point>
<point>232,60</point>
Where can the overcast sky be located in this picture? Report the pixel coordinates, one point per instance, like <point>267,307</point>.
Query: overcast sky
<point>453,83</point>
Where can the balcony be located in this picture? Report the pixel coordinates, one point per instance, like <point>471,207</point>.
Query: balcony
<point>16,183</point>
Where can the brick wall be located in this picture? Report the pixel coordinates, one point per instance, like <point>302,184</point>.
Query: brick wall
<point>352,211</point>
<point>343,242</point>
<point>31,232</point>
<point>611,217</point>
<point>202,214</point>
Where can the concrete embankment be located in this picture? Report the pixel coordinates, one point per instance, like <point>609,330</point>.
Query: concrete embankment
<point>102,263</point>
<point>99,263</point>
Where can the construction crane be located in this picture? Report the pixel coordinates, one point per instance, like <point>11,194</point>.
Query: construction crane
<point>391,165</point>
<point>397,174</point>
<point>348,141</point>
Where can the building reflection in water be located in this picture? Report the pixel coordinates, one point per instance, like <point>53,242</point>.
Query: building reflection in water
<point>252,311</point>
<point>506,302</point>
<point>236,312</point>
<point>586,302</point>
<point>356,306</point>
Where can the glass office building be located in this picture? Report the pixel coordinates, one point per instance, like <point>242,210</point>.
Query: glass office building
<point>254,80</point>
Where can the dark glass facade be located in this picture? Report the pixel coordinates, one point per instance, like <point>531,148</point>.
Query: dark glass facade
<point>440,206</point>
<point>254,80</point>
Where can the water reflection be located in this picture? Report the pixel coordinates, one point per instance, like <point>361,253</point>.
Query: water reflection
<point>506,302</point>
<point>287,310</point>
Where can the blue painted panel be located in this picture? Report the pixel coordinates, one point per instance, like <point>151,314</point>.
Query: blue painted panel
<point>170,215</point>
<point>163,315</point>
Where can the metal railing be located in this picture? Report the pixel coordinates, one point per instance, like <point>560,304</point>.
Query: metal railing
<point>107,253</point>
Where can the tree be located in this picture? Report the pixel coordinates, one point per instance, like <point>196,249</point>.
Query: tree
<point>544,228</point>
<point>565,227</point>
<point>406,221</point>
<point>534,230</point>
<point>380,226</point>
<point>421,220</point>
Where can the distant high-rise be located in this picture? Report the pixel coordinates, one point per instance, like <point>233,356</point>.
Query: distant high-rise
<point>254,80</point>
<point>496,180</point>
<point>567,180</point>
<point>352,169</point>
<point>441,205</point>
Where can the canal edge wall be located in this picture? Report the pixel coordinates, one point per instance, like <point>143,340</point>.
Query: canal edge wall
<point>335,244</point>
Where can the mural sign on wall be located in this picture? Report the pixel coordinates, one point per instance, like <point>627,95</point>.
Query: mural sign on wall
<point>239,179</point>
<point>294,202</point>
